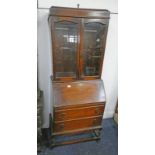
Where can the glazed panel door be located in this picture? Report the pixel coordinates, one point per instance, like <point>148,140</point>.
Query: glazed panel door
<point>93,40</point>
<point>65,38</point>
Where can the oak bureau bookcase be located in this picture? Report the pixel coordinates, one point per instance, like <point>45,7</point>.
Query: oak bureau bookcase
<point>78,46</point>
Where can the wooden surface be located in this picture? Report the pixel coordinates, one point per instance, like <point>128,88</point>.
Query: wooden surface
<point>80,112</point>
<point>80,92</point>
<point>78,106</point>
<point>77,131</point>
<point>79,12</point>
<point>77,124</point>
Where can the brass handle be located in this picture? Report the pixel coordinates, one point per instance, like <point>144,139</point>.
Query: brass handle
<point>94,121</point>
<point>62,115</point>
<point>61,126</point>
<point>97,111</point>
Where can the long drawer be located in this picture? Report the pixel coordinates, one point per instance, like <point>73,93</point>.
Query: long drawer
<point>77,124</point>
<point>81,112</point>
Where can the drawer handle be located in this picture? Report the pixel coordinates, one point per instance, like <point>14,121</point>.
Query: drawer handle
<point>62,115</point>
<point>61,126</point>
<point>94,121</point>
<point>97,111</point>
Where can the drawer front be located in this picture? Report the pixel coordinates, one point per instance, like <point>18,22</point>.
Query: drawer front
<point>77,124</point>
<point>69,114</point>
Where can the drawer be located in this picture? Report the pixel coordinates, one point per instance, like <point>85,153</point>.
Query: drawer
<point>77,124</point>
<point>61,115</point>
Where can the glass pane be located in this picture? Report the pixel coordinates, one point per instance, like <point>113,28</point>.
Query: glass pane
<point>66,49</point>
<point>93,41</point>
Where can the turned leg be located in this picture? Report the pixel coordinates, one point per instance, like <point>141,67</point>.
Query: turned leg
<point>97,132</point>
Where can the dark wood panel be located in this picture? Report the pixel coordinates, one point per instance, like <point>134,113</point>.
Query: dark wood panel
<point>81,112</point>
<point>77,124</point>
<point>68,107</point>
<point>77,131</point>
<point>78,42</point>
<point>77,93</point>
<point>79,12</point>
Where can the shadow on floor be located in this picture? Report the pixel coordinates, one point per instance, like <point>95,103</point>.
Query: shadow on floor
<point>108,145</point>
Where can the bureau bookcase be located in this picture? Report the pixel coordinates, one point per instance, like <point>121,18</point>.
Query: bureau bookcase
<point>78,38</point>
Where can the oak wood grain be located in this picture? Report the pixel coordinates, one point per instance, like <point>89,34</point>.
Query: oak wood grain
<point>74,113</point>
<point>77,124</point>
<point>77,131</point>
<point>79,92</point>
<point>79,12</point>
